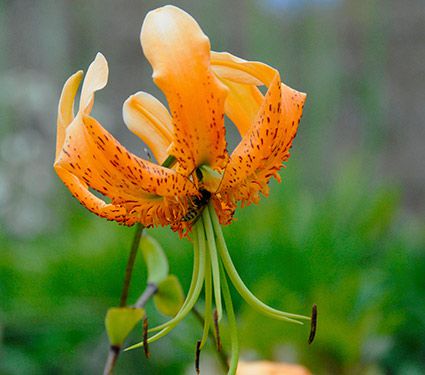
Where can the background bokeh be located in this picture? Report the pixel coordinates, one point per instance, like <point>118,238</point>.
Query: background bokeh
<point>344,230</point>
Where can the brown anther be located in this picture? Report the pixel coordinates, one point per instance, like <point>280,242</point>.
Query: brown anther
<point>217,331</point>
<point>197,356</point>
<point>145,338</point>
<point>148,154</point>
<point>313,325</point>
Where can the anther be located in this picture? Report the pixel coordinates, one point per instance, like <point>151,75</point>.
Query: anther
<point>148,154</point>
<point>145,337</point>
<point>197,356</point>
<point>217,331</point>
<point>313,324</point>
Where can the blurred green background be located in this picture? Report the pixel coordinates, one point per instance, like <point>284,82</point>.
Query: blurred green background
<point>345,229</point>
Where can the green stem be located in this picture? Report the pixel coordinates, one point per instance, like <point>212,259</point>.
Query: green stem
<point>232,325</point>
<point>245,293</point>
<point>130,264</point>
<point>214,261</point>
<point>114,351</point>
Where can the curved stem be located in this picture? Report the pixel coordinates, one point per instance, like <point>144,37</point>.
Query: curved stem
<point>130,264</point>
<point>232,325</point>
<point>245,293</point>
<point>214,261</point>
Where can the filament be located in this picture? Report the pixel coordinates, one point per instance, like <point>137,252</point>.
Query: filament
<point>211,264</point>
<point>214,261</point>
<point>232,325</point>
<point>245,293</point>
<point>208,302</point>
<point>192,296</point>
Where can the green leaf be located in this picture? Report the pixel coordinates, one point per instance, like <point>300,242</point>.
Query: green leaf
<point>155,259</point>
<point>170,297</point>
<point>120,321</point>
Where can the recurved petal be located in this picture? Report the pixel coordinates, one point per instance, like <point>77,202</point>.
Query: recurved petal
<point>146,117</point>
<point>80,190</point>
<point>179,53</point>
<point>66,107</point>
<point>242,104</point>
<point>233,68</point>
<point>242,77</point>
<point>96,79</point>
<point>146,192</point>
<point>265,146</point>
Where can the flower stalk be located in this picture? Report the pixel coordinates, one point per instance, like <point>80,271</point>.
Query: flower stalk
<point>130,264</point>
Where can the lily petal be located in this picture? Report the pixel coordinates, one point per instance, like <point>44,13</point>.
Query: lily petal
<point>265,146</point>
<point>146,117</point>
<point>228,66</point>
<point>242,104</point>
<point>66,107</point>
<point>97,160</point>
<point>89,157</point>
<point>179,53</point>
<point>94,204</point>
<point>96,79</point>
<point>242,77</point>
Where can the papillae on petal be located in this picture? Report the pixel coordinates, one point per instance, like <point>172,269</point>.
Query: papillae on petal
<point>265,146</point>
<point>179,53</point>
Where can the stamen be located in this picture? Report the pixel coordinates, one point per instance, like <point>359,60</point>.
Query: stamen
<point>232,325</point>
<point>313,325</point>
<point>208,302</point>
<point>217,331</point>
<point>193,284</point>
<point>199,246</point>
<point>148,154</point>
<point>145,338</point>
<point>245,293</point>
<point>197,356</point>
<point>214,261</point>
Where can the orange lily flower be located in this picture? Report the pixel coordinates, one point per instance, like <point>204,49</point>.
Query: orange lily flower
<point>197,184</point>
<point>201,87</point>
